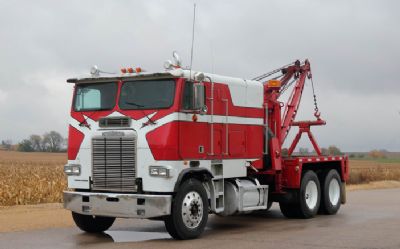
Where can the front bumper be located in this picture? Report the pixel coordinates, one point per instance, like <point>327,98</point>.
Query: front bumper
<point>118,205</point>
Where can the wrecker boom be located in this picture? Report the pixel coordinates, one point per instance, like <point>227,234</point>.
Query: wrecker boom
<point>296,73</point>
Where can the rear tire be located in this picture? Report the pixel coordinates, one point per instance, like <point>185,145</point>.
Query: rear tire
<point>92,224</point>
<point>310,195</point>
<point>331,193</point>
<point>189,212</point>
<point>289,210</point>
<point>308,199</point>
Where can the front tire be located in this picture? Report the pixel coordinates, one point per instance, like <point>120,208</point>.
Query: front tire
<point>92,224</point>
<point>189,213</point>
<point>331,193</point>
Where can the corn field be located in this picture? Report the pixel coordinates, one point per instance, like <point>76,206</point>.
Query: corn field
<point>369,171</point>
<point>32,178</point>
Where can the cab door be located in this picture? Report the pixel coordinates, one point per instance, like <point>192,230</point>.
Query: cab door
<point>193,125</point>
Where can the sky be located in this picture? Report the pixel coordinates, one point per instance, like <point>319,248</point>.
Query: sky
<point>353,46</point>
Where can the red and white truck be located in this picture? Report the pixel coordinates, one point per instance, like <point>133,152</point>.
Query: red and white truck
<point>178,145</point>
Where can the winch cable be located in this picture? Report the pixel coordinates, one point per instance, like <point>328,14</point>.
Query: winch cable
<point>286,87</point>
<point>263,76</point>
<point>317,113</point>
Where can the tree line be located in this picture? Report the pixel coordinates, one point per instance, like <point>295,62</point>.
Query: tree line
<point>48,142</point>
<point>331,150</point>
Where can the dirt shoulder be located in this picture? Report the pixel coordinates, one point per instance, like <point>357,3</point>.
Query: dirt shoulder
<point>32,217</point>
<point>42,216</point>
<point>374,185</point>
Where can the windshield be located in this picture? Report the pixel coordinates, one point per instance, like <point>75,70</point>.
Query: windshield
<point>95,97</point>
<point>147,94</point>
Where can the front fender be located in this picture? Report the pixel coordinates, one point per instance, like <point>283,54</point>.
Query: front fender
<point>199,173</point>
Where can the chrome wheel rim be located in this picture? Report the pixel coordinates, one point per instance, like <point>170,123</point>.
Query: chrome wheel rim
<point>192,210</point>
<point>311,195</point>
<point>334,191</point>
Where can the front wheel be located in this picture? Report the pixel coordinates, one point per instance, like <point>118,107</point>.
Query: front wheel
<point>92,224</point>
<point>189,213</point>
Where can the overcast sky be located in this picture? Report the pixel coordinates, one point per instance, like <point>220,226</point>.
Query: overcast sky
<point>353,46</point>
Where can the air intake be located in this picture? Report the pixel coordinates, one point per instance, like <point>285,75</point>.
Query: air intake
<point>114,122</point>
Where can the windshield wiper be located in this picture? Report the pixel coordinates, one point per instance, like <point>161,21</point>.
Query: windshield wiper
<point>133,103</point>
<point>148,118</point>
<point>84,123</point>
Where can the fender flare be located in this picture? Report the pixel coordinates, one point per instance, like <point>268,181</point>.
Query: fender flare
<point>200,173</point>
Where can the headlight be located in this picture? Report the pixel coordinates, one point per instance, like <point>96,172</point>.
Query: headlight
<point>72,169</point>
<point>159,171</point>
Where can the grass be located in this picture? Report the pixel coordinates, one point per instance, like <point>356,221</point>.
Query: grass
<point>32,178</point>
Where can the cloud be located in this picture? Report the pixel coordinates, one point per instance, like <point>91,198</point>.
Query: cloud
<point>352,45</point>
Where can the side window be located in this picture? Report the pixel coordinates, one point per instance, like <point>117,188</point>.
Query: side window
<point>87,98</point>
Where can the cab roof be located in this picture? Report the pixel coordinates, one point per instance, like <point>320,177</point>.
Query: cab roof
<point>174,73</point>
<point>128,76</point>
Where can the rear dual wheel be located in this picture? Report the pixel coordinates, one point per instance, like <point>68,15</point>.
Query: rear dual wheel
<point>314,197</point>
<point>331,193</point>
<point>308,200</point>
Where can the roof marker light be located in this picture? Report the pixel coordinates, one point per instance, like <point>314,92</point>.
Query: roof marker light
<point>123,70</point>
<point>130,70</point>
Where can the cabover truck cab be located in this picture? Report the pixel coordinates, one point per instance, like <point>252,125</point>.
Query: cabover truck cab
<point>180,144</point>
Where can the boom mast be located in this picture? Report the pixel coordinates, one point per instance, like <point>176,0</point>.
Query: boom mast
<point>296,73</point>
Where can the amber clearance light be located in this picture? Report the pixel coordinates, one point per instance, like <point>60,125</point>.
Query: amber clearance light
<point>274,83</point>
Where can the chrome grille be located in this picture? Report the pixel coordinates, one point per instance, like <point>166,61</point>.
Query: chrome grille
<point>115,122</point>
<point>114,164</point>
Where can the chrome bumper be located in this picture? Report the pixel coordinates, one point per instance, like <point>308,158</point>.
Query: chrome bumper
<point>118,205</point>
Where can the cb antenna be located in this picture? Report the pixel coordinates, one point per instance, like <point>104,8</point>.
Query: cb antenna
<point>191,52</point>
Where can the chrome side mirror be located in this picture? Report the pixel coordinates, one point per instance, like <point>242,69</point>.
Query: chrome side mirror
<point>198,96</point>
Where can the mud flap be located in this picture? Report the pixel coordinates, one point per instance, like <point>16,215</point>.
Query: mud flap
<point>343,190</point>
